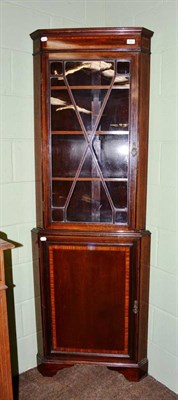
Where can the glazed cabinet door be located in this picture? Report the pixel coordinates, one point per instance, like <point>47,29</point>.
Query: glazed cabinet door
<point>91,137</point>
<point>89,295</point>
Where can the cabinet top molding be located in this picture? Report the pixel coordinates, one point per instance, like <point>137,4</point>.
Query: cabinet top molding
<point>110,39</point>
<point>89,31</point>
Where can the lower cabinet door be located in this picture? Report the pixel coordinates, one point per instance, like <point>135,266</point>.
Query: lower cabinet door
<point>88,296</point>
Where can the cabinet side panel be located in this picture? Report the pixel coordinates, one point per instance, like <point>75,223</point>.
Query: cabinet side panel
<point>143,140</point>
<point>38,140</point>
<point>134,140</point>
<point>144,296</point>
<point>45,299</point>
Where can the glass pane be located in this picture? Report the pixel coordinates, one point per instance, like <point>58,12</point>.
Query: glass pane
<point>57,215</point>
<point>105,208</point>
<point>116,112</point>
<point>63,116</point>
<point>89,169</point>
<point>56,68</point>
<point>57,71</point>
<point>112,154</point>
<point>89,72</point>
<point>79,208</point>
<point>123,67</point>
<point>60,191</point>
<point>67,151</point>
<point>118,192</point>
<point>122,78</point>
<point>121,217</point>
<point>89,203</point>
<point>57,82</point>
<point>89,103</point>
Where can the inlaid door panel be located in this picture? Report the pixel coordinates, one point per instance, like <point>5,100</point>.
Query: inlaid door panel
<point>91,292</point>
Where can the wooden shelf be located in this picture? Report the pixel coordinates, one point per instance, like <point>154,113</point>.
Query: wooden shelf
<point>116,209</point>
<point>90,133</point>
<point>91,87</point>
<point>90,179</point>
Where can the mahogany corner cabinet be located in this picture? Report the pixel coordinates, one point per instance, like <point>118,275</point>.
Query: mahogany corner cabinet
<point>91,93</point>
